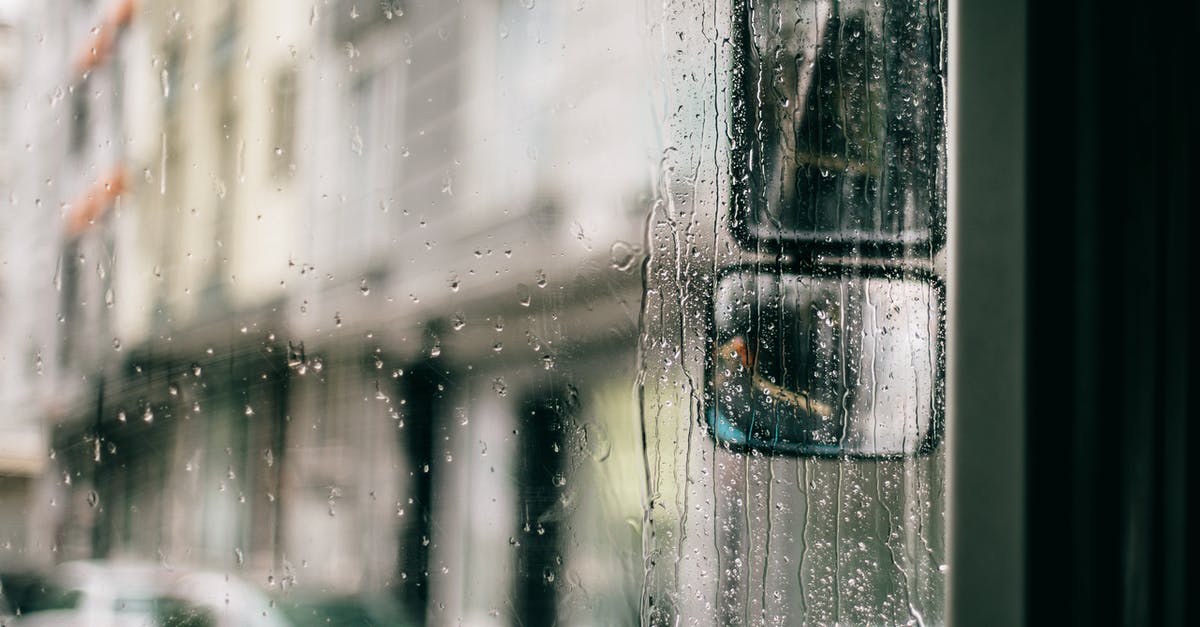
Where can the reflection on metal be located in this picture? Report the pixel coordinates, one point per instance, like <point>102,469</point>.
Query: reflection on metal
<point>826,365</point>
<point>838,120</point>
<point>734,354</point>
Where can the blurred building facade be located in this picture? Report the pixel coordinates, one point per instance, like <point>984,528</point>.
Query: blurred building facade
<point>342,296</point>
<point>22,447</point>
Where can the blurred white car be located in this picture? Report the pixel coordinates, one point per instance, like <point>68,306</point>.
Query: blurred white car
<point>139,594</point>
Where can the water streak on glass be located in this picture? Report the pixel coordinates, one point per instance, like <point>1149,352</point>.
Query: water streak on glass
<point>425,312</point>
<point>793,320</point>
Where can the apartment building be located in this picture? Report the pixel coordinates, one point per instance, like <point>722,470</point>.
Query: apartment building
<point>339,297</point>
<point>471,282</point>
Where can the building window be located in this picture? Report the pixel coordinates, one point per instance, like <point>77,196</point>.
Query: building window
<point>283,132</point>
<point>80,116</point>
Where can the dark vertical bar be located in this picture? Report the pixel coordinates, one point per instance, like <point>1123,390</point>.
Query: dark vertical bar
<point>425,393</point>
<point>100,518</point>
<point>986,314</point>
<point>540,486</point>
<point>281,420</point>
<point>1060,446</point>
<point>1179,339</point>
<point>1111,149</point>
<point>264,437</point>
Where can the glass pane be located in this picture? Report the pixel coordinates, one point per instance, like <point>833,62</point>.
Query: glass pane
<point>499,312</point>
<point>794,317</point>
<point>840,121</point>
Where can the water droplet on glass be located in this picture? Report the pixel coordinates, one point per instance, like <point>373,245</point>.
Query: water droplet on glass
<point>523,294</point>
<point>173,389</point>
<point>116,344</point>
<point>362,287</point>
<point>528,4</point>
<point>497,347</point>
<point>623,255</point>
<point>196,371</point>
<point>93,499</point>
<point>596,440</point>
<point>391,8</point>
<point>499,387</point>
<point>249,410</point>
<point>356,141</point>
<point>541,279</point>
<point>148,415</point>
<point>458,321</point>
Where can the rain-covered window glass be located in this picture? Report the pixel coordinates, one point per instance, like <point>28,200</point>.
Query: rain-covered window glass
<point>498,312</point>
<point>839,109</point>
<point>794,329</point>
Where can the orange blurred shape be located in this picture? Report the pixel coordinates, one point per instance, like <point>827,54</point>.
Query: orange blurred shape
<point>739,347</point>
<point>95,201</point>
<point>100,44</point>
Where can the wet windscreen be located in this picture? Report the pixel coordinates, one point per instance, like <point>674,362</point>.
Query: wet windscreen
<point>501,312</point>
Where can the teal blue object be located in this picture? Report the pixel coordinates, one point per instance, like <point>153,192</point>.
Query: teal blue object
<point>727,433</point>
